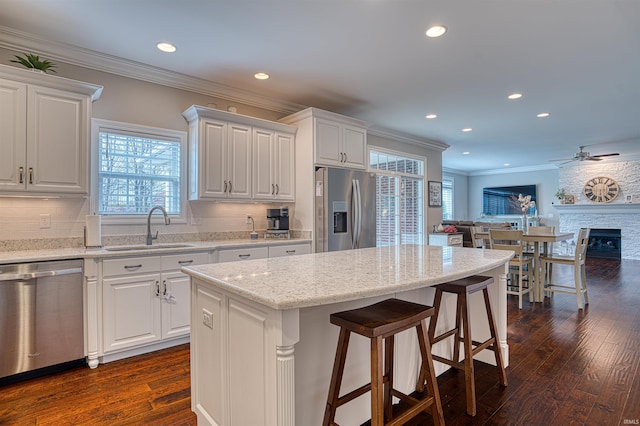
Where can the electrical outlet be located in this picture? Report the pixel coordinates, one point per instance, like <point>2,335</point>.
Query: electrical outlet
<point>207,318</point>
<point>45,221</point>
<point>248,220</point>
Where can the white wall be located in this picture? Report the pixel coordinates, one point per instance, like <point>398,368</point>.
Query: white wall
<point>545,180</point>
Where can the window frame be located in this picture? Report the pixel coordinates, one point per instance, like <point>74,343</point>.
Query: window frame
<point>400,176</point>
<point>100,125</point>
<point>448,182</point>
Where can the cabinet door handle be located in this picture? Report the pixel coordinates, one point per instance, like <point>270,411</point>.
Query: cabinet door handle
<point>185,262</point>
<point>157,288</point>
<point>230,187</point>
<point>273,189</point>
<point>225,186</point>
<point>244,256</point>
<point>31,175</point>
<point>21,174</point>
<point>277,189</point>
<point>341,157</point>
<point>345,157</point>
<point>164,287</point>
<point>291,252</point>
<point>130,267</point>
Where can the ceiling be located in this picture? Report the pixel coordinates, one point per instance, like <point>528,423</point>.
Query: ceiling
<point>579,60</point>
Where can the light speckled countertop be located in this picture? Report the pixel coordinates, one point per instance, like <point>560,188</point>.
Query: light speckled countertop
<point>77,253</point>
<point>324,278</point>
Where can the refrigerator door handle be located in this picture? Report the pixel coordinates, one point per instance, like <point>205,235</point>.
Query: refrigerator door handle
<point>357,214</point>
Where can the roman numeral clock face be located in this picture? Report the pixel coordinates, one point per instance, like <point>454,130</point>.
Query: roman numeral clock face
<point>601,189</point>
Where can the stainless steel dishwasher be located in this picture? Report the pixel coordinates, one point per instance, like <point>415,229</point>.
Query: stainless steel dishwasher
<point>41,318</point>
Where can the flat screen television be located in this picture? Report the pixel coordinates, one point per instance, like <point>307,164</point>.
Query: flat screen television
<point>498,200</point>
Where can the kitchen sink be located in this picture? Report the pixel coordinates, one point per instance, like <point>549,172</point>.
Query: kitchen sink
<point>146,247</point>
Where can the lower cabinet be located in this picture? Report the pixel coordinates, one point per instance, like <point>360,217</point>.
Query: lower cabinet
<point>146,299</point>
<point>289,249</point>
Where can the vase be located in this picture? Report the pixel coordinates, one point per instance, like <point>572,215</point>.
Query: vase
<point>525,224</point>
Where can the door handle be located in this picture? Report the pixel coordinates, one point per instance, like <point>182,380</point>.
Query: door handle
<point>31,175</point>
<point>21,174</point>
<point>277,189</point>
<point>230,187</point>
<point>164,287</point>
<point>225,186</point>
<point>157,288</point>
<point>273,189</point>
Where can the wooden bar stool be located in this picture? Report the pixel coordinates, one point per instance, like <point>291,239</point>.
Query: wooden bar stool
<point>381,322</point>
<point>463,288</point>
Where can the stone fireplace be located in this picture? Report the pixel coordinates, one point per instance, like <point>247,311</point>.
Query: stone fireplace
<point>619,216</point>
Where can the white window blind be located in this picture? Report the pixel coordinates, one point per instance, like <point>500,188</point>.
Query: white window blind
<point>447,198</point>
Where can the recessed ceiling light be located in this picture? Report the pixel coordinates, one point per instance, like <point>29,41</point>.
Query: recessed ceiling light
<point>261,75</point>
<point>467,129</point>
<point>166,47</point>
<point>515,96</point>
<point>506,164</point>
<point>436,31</point>
<point>466,153</point>
<point>430,116</point>
<point>543,115</point>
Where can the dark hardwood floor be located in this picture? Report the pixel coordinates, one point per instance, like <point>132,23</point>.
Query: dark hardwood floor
<point>567,367</point>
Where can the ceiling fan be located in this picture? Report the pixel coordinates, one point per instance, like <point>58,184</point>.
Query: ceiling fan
<point>583,155</point>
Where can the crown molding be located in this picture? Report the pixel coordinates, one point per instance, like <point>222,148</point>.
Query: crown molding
<point>509,170</point>
<point>401,137</point>
<point>20,41</point>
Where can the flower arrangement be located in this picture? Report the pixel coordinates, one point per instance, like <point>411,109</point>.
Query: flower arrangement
<point>449,229</point>
<point>560,194</point>
<point>524,202</point>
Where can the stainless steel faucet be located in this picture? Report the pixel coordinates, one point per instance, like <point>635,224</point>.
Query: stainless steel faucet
<point>167,221</point>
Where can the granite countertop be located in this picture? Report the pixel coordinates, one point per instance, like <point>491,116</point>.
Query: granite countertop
<point>324,278</point>
<point>190,246</point>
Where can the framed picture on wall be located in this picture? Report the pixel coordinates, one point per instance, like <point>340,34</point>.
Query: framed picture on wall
<point>435,194</point>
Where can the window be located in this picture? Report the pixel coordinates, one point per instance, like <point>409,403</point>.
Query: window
<point>399,198</point>
<point>447,198</point>
<point>138,168</point>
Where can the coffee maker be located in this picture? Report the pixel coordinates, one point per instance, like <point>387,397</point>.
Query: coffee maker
<point>278,219</point>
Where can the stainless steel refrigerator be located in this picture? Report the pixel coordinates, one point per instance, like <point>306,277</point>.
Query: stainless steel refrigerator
<point>345,209</point>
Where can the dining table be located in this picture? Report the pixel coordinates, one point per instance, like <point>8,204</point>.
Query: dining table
<point>540,246</point>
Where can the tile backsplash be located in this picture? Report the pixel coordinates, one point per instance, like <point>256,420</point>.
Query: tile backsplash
<point>22,221</point>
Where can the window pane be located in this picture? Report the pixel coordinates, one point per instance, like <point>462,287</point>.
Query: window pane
<point>447,199</point>
<point>136,173</point>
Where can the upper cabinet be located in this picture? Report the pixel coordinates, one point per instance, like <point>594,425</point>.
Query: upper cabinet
<point>233,156</point>
<point>44,133</point>
<point>337,140</point>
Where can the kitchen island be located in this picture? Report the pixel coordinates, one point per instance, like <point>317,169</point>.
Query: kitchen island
<point>262,347</point>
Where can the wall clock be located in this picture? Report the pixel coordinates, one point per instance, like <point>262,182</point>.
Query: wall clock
<point>601,189</point>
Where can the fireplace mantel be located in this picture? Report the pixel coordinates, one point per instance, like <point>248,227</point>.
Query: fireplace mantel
<point>604,208</point>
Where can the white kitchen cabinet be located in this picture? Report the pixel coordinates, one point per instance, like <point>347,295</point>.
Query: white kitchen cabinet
<point>336,140</point>
<point>289,249</point>
<point>341,145</point>
<point>273,165</point>
<point>146,299</point>
<point>229,153</point>
<point>44,133</point>
<point>452,239</point>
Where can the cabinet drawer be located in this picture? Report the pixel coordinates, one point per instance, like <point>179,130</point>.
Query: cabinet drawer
<point>131,265</point>
<point>177,261</point>
<point>289,250</point>
<point>455,240</point>
<point>232,255</point>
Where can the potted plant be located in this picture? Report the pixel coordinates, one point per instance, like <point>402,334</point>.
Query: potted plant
<point>34,62</point>
<point>560,195</point>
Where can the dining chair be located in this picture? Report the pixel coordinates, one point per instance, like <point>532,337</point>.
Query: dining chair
<point>477,241</point>
<point>520,266</point>
<point>578,261</point>
<point>544,249</point>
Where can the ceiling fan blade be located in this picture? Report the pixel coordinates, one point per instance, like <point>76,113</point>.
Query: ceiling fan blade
<point>606,155</point>
<point>592,158</point>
